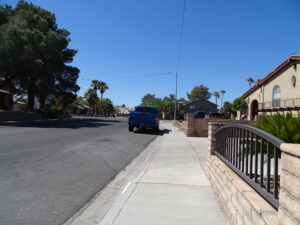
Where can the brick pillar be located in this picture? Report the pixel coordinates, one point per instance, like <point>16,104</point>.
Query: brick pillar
<point>289,197</point>
<point>190,126</point>
<point>212,127</point>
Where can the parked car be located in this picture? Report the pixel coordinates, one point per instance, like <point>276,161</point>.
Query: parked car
<point>144,117</point>
<point>201,115</point>
<point>219,116</point>
<point>210,115</point>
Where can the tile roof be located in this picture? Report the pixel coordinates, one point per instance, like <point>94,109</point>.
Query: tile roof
<point>292,58</point>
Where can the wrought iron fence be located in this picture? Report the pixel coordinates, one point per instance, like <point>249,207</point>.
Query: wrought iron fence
<point>288,103</point>
<point>254,155</point>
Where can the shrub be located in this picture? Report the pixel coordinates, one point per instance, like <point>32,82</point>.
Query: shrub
<point>286,128</point>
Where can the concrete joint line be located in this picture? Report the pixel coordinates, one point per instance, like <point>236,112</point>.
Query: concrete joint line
<point>112,214</point>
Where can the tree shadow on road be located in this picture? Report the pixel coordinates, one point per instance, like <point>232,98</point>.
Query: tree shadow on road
<point>64,123</point>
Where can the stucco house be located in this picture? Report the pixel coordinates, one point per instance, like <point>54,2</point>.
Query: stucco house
<point>278,92</point>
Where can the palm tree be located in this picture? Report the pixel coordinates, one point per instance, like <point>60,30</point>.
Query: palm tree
<point>250,81</point>
<point>217,95</point>
<point>102,86</point>
<point>95,85</point>
<point>222,93</point>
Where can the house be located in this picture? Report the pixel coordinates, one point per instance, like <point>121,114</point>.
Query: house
<point>6,99</point>
<point>199,106</point>
<point>278,92</point>
<point>122,111</point>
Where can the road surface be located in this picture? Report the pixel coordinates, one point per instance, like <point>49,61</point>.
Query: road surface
<point>50,170</point>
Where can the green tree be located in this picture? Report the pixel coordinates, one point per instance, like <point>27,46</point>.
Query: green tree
<point>217,95</point>
<point>92,99</point>
<point>250,81</point>
<point>107,106</point>
<point>199,93</point>
<point>228,107</point>
<point>168,106</point>
<point>148,99</point>
<point>239,104</point>
<point>34,55</point>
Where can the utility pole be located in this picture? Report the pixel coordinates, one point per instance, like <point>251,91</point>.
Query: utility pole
<point>175,104</point>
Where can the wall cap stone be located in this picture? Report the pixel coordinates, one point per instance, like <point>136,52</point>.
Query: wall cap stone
<point>293,149</point>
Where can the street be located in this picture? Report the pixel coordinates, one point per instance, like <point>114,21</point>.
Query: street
<point>48,171</point>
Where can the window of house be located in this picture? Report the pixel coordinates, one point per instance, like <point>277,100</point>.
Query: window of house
<point>276,96</point>
<point>192,106</point>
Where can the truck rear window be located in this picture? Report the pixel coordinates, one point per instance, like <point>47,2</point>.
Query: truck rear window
<point>146,110</point>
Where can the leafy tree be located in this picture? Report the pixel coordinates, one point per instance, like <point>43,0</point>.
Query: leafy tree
<point>79,101</point>
<point>217,95</point>
<point>148,99</point>
<point>239,104</point>
<point>107,106</point>
<point>169,103</point>
<point>199,93</point>
<point>228,107</point>
<point>92,99</point>
<point>21,99</point>
<point>250,81</point>
<point>222,95</point>
<point>34,55</point>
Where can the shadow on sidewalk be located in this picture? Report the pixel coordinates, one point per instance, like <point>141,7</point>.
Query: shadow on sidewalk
<point>152,132</point>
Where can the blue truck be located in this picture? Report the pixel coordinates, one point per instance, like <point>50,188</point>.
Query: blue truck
<point>144,117</point>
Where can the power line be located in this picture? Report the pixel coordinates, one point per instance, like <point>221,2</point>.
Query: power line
<point>126,76</point>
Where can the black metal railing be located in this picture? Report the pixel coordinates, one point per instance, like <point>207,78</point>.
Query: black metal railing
<point>254,155</point>
<point>277,103</point>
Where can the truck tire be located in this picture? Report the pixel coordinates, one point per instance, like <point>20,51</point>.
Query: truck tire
<point>130,128</point>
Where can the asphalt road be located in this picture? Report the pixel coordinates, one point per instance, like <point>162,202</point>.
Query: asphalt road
<point>50,170</point>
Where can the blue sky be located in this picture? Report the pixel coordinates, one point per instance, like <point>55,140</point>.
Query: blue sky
<point>130,43</point>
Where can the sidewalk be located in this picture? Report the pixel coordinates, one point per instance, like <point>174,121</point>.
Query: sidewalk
<point>165,185</point>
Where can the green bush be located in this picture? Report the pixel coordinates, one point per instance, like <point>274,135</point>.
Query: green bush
<point>52,111</point>
<point>285,127</point>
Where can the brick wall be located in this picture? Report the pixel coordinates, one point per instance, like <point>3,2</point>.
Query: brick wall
<point>289,199</point>
<point>199,127</point>
<point>242,204</point>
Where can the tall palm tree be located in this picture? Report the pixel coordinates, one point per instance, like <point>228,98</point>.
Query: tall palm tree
<point>102,86</point>
<point>250,81</point>
<point>217,95</point>
<point>222,93</point>
<point>95,85</point>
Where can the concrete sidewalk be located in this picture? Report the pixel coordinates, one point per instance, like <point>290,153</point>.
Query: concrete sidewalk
<point>165,185</point>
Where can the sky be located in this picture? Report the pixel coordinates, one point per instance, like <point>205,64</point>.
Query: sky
<point>133,44</point>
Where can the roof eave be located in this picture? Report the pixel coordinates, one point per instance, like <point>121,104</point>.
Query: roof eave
<point>271,74</point>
